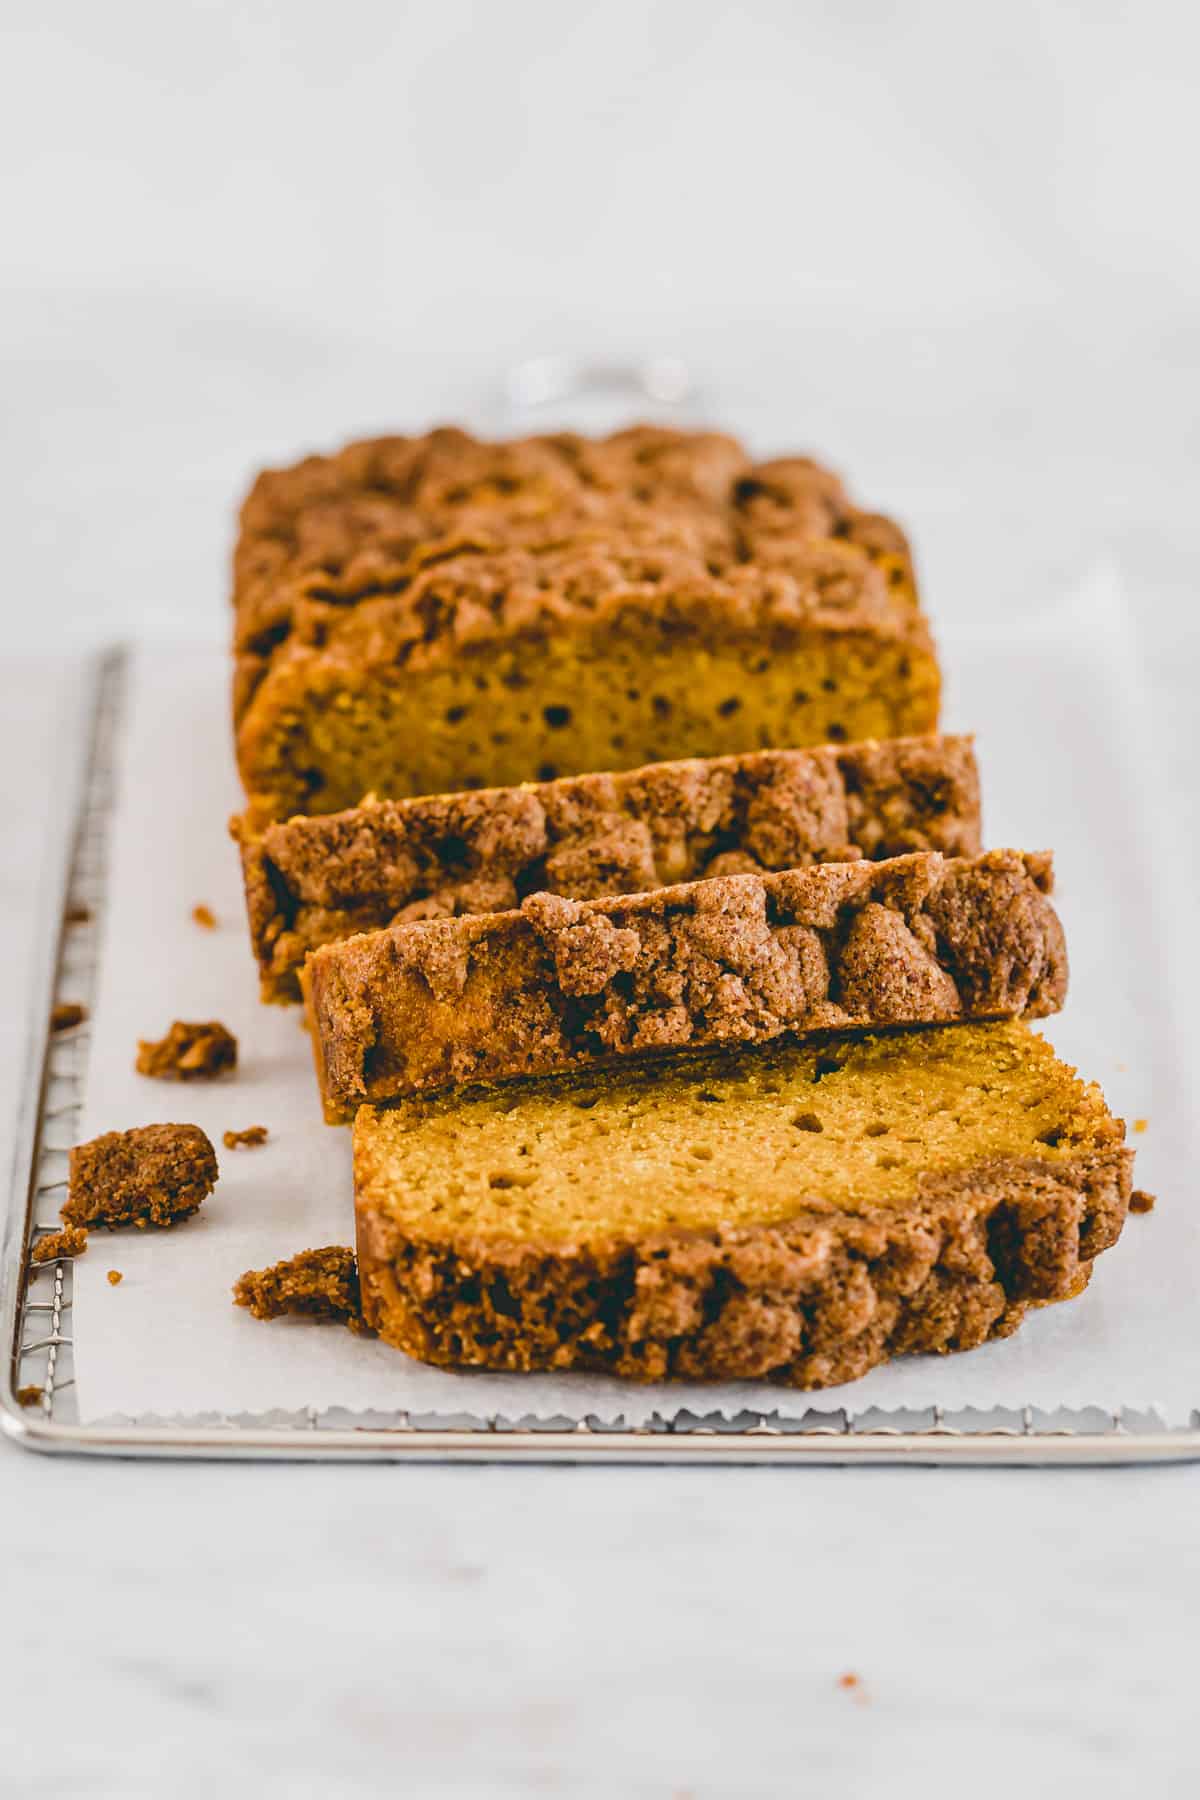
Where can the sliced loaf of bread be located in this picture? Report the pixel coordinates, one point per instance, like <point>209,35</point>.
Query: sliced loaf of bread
<point>312,880</point>
<point>795,1213</point>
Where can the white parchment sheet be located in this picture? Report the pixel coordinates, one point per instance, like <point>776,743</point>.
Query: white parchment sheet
<point>1064,765</point>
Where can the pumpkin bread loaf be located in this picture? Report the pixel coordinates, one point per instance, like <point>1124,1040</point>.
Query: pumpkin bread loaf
<point>311,881</point>
<point>428,614</point>
<point>794,1213</point>
<point>559,985</point>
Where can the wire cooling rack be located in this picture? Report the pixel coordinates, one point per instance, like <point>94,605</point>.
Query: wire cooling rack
<point>37,1401</point>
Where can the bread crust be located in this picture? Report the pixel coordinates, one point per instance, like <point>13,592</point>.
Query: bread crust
<point>560,985</point>
<point>315,880</point>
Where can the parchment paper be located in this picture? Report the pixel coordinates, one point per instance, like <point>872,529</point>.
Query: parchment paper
<point>1053,701</point>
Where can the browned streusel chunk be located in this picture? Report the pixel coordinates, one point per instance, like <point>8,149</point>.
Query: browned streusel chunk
<point>66,1015</point>
<point>321,1284</point>
<point>189,1052</point>
<point>152,1175</point>
<point>69,1242</point>
<point>30,1396</point>
<point>115,1277</point>
<point>205,917</point>
<point>250,1139</point>
<point>1141,1202</point>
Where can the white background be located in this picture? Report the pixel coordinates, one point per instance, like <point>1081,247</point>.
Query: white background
<point>954,248</point>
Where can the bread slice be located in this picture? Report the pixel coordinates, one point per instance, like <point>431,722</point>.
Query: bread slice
<point>795,1213</point>
<point>311,881</point>
<point>559,985</point>
<point>424,615</point>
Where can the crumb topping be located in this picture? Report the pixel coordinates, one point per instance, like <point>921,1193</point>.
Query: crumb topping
<point>562,984</point>
<point>320,1284</point>
<point>312,880</point>
<point>70,1241</point>
<point>189,1052</point>
<point>249,1139</point>
<point>152,1175</point>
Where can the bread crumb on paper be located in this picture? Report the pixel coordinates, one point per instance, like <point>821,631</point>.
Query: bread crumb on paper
<point>249,1139</point>
<point>70,1241</point>
<point>189,1052</point>
<point>319,1284</point>
<point>151,1175</point>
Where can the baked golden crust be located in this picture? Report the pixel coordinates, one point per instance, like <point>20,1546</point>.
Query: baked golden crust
<point>380,592</point>
<point>561,984</point>
<point>817,1293</point>
<point>312,881</point>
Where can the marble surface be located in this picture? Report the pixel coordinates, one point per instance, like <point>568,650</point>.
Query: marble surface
<point>243,230</point>
<point>301,1632</point>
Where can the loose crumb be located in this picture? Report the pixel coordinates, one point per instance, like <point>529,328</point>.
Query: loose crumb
<point>1141,1202</point>
<point>205,916</point>
<point>30,1396</point>
<point>849,1679</point>
<point>78,915</point>
<point>1140,1124</point>
<point>152,1175</point>
<point>247,1140</point>
<point>66,1015</point>
<point>321,1284</point>
<point>189,1052</point>
<point>70,1241</point>
<point>115,1278</point>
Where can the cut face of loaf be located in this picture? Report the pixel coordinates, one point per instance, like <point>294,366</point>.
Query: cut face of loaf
<point>560,985</point>
<point>312,881</point>
<point>425,615</point>
<point>795,1214</point>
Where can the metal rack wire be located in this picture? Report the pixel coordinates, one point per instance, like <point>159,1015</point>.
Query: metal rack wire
<point>36,1299</point>
<point>43,1348</point>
